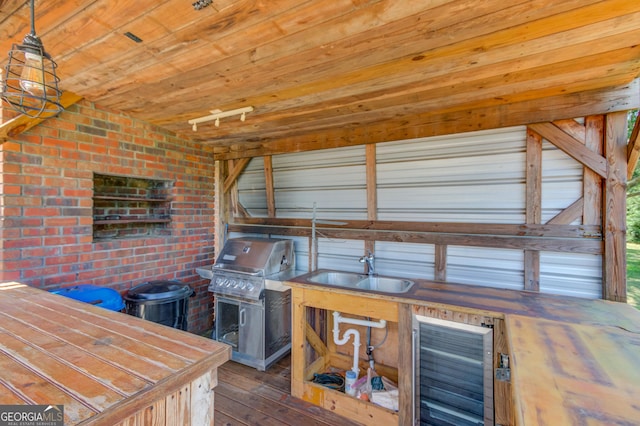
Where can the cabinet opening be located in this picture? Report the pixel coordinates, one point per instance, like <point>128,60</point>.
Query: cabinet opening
<point>130,207</point>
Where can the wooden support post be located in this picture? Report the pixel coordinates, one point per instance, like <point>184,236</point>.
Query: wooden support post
<point>220,210</point>
<point>440,263</point>
<point>269,188</point>
<point>614,213</point>
<point>298,343</point>
<point>533,207</point>
<point>592,182</point>
<point>502,394</point>
<point>372,192</point>
<point>406,400</point>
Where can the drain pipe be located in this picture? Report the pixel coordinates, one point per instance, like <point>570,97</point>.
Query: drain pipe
<point>338,319</point>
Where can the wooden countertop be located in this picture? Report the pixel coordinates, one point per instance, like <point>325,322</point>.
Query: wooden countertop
<point>101,365</point>
<point>574,361</point>
<point>500,302</point>
<point>573,374</point>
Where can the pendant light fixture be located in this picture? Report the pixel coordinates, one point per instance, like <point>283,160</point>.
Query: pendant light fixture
<point>30,84</point>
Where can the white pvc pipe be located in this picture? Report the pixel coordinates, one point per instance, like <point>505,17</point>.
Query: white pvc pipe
<point>337,319</point>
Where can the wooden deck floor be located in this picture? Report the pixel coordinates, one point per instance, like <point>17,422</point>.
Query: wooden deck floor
<point>246,396</point>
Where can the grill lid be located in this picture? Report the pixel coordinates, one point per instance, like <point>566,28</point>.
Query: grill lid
<point>245,263</point>
<point>159,290</point>
<point>255,256</point>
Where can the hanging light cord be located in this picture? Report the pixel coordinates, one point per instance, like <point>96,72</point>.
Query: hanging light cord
<point>33,18</point>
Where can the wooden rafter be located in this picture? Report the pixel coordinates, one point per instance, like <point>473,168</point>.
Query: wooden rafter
<point>434,123</point>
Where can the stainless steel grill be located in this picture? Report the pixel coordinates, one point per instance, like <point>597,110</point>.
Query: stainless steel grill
<point>245,263</point>
<point>252,314</point>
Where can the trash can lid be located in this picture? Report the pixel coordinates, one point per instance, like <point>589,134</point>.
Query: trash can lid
<point>104,297</point>
<point>159,290</point>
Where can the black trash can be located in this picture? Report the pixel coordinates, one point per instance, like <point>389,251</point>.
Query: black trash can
<point>164,302</point>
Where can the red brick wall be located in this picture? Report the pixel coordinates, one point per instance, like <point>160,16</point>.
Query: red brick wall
<point>46,205</point>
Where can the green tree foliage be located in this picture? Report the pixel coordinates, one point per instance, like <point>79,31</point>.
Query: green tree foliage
<point>633,191</point>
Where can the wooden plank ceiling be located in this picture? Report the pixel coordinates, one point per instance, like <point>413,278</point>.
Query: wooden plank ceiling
<point>330,73</point>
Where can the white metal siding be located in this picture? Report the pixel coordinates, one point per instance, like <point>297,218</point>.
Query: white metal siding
<point>561,181</point>
<point>405,259</point>
<point>476,177</point>
<point>571,274</point>
<point>335,180</point>
<point>488,267</point>
<point>252,191</point>
<point>340,254</point>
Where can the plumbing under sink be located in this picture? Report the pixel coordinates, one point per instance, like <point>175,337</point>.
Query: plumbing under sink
<point>357,281</point>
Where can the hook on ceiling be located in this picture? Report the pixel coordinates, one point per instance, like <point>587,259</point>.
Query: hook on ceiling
<point>201,4</point>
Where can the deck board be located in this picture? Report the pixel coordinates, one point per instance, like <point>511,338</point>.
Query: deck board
<point>246,396</point>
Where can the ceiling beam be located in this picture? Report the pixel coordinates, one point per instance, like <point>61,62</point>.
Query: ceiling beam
<point>601,101</point>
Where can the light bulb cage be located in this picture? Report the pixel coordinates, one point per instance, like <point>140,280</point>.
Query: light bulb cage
<point>33,105</point>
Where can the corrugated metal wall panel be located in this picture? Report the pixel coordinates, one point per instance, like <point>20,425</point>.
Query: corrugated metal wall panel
<point>405,259</point>
<point>571,274</point>
<point>335,180</point>
<point>473,177</point>
<point>489,267</point>
<point>340,254</point>
<point>476,177</point>
<point>252,188</point>
<point>561,181</point>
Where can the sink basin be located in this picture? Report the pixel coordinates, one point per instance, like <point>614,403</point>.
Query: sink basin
<point>343,279</point>
<point>357,281</point>
<point>385,284</point>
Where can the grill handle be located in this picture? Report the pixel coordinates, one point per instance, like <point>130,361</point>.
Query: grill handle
<point>243,317</point>
<point>235,271</point>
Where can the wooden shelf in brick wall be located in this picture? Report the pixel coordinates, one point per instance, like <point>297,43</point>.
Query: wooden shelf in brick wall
<point>132,199</point>
<point>130,207</point>
<point>115,221</point>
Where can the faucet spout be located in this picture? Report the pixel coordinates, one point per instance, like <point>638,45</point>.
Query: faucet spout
<point>369,260</point>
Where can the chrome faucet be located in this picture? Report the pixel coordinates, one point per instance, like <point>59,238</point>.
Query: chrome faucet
<point>369,261</point>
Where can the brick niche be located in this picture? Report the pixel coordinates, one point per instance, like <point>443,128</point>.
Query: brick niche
<point>46,206</point>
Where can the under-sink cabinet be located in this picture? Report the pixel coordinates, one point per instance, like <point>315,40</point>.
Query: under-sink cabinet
<point>314,350</point>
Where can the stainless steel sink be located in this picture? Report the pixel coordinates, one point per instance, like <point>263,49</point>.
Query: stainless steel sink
<point>338,278</point>
<point>357,281</point>
<point>385,284</point>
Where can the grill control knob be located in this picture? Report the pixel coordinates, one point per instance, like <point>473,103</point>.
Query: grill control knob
<point>242,285</point>
<point>249,287</point>
<point>232,283</point>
